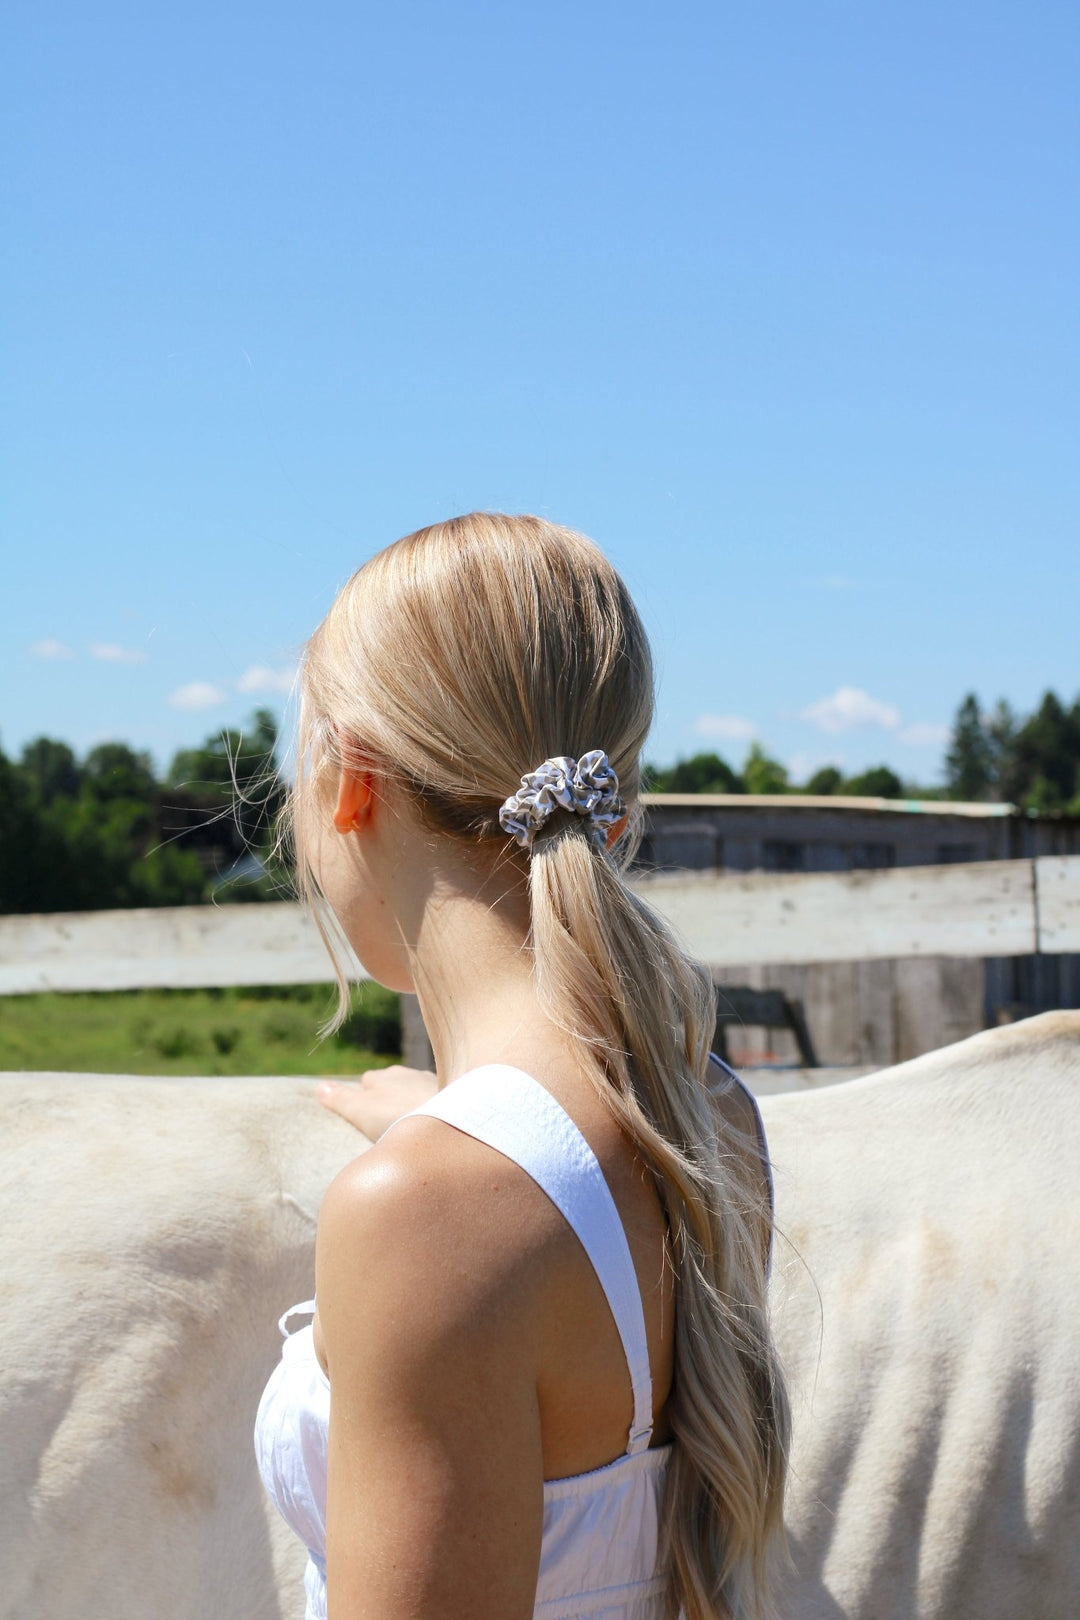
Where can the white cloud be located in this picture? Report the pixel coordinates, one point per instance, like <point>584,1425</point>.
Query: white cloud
<point>849,707</point>
<point>196,695</point>
<point>260,678</point>
<point>924,732</point>
<point>732,727</point>
<point>51,648</point>
<point>110,653</point>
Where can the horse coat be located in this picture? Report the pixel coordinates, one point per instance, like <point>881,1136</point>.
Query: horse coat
<point>924,1298</point>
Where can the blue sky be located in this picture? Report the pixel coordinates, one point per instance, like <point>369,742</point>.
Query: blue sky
<point>778,303</point>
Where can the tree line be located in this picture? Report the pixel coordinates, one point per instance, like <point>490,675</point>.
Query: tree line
<point>1031,761</point>
<point>709,773</point>
<point>103,831</point>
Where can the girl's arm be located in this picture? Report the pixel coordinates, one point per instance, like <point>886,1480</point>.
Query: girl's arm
<point>429,1325</point>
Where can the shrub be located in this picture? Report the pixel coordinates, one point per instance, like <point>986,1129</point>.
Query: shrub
<point>174,1042</point>
<point>374,1022</point>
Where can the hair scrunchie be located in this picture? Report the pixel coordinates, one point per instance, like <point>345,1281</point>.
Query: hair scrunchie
<point>586,787</point>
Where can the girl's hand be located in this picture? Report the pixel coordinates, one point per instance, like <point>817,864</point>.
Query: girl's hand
<point>380,1096</point>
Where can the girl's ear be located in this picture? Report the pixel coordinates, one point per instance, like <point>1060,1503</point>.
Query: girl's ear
<point>356,798</point>
<point>616,830</point>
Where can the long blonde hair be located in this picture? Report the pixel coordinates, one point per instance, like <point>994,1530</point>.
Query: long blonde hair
<point>460,658</point>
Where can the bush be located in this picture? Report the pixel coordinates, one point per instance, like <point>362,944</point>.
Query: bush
<point>286,1024</point>
<point>704,773</point>
<point>374,1021</point>
<point>879,782</point>
<point>828,779</point>
<point>764,775</point>
<point>174,1042</point>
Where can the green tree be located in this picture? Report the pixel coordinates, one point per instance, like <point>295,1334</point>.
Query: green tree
<point>1042,767</point>
<point>168,875</point>
<point>703,773</point>
<point>231,759</point>
<point>90,837</point>
<point>52,768</point>
<point>761,774</point>
<point>1001,728</point>
<point>969,762</point>
<point>879,782</point>
<point>110,855</point>
<point>828,779</point>
<point>112,770</point>
<point>234,774</point>
<point>102,838</point>
<point>28,850</point>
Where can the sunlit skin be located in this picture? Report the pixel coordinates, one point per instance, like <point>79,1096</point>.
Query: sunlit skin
<point>471,1351</point>
<point>379,1096</point>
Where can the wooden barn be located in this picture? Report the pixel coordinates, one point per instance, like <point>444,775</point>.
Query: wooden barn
<point>864,1011</point>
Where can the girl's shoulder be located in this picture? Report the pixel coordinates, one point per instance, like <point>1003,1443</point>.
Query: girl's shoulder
<point>432,1211</point>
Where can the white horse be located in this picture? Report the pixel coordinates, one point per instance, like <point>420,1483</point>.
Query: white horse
<point>927,1307</point>
<point>154,1230</point>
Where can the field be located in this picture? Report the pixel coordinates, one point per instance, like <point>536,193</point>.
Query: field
<point>256,1030</point>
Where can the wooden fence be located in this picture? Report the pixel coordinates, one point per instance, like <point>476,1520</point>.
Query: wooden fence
<point>887,964</point>
<point>985,909</point>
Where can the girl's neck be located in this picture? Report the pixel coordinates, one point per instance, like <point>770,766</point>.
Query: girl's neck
<point>471,966</point>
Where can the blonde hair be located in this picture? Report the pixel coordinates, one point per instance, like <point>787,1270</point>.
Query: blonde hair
<point>460,658</point>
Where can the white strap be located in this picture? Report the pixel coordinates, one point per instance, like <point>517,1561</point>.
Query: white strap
<point>307,1308</point>
<point>514,1114</point>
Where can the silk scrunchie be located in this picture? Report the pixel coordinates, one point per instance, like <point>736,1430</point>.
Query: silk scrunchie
<point>586,787</point>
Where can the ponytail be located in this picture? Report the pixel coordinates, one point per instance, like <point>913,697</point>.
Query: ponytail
<point>609,972</point>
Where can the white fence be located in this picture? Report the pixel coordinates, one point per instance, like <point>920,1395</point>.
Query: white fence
<point>983,909</point>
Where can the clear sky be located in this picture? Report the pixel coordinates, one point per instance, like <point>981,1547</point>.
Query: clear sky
<point>779,303</point>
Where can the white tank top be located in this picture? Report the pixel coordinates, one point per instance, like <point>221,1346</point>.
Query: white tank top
<point>601,1534</point>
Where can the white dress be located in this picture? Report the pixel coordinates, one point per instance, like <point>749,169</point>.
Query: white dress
<point>601,1535</point>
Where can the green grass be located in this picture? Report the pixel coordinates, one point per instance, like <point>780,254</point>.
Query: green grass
<point>259,1030</point>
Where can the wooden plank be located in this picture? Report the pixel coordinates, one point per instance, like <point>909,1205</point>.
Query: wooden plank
<point>1057,882</point>
<point>795,803</point>
<point>985,908</point>
<point>169,946</point>
<point>937,1000</point>
<point>832,1001</point>
<point>874,1012</point>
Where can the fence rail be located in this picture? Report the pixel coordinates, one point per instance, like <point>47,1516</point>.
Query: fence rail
<point>985,909</point>
<point>980,909</point>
